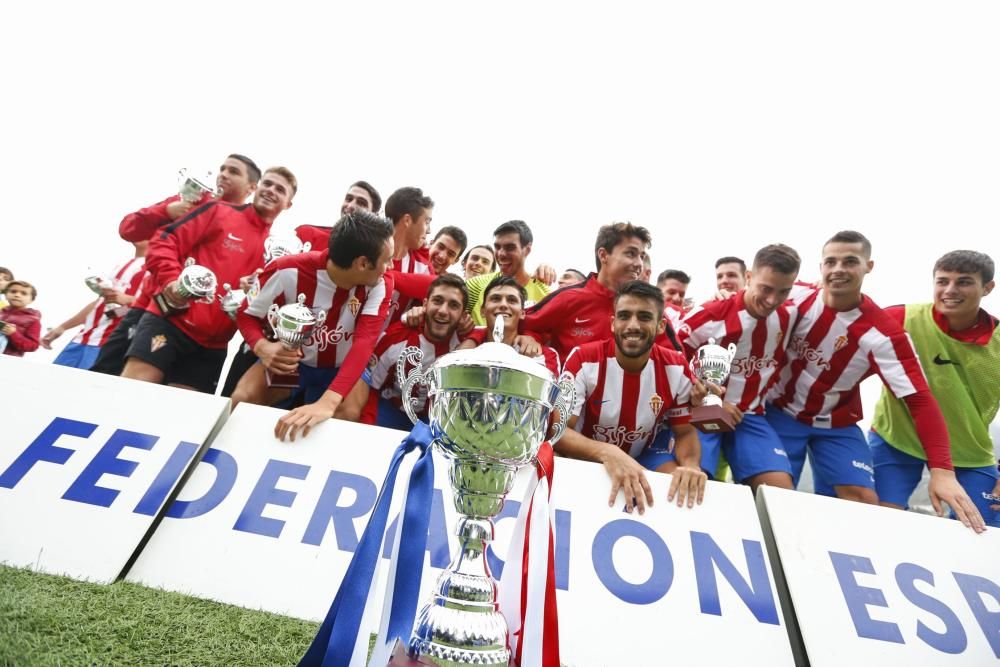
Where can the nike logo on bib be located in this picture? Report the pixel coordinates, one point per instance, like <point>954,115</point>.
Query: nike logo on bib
<point>234,238</point>
<point>944,362</point>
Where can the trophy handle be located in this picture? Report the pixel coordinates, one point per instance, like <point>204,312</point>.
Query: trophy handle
<point>564,403</point>
<point>272,318</point>
<point>320,318</point>
<point>414,355</point>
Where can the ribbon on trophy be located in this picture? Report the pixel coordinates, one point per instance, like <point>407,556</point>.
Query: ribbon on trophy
<point>528,584</point>
<point>340,641</point>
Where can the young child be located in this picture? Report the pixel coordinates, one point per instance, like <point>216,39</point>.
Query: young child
<point>19,324</point>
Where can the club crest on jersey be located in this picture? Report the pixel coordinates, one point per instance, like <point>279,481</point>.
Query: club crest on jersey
<point>655,402</point>
<point>354,305</point>
<point>839,344</point>
<point>778,337</point>
<point>159,341</point>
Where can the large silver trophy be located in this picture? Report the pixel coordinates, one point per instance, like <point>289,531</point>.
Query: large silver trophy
<point>292,324</point>
<point>192,187</point>
<point>711,363</point>
<point>195,283</point>
<point>489,413</point>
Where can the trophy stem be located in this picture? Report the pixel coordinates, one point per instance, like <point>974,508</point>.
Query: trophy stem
<point>462,623</point>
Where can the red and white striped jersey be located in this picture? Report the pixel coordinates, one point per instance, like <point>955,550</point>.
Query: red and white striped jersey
<point>414,261</point>
<point>627,409</point>
<point>100,323</point>
<point>829,353</point>
<point>760,345</point>
<point>354,316</point>
<point>382,365</point>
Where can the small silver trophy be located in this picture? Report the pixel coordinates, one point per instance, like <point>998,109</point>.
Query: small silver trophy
<point>195,283</point>
<point>293,324</point>
<point>279,246</point>
<point>231,300</point>
<point>192,187</point>
<point>98,283</point>
<point>711,363</point>
<point>489,414</point>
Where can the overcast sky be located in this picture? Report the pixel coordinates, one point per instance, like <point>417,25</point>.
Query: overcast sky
<point>721,126</point>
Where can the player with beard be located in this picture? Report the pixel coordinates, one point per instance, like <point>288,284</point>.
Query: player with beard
<point>841,337</point>
<point>237,180</point>
<point>347,282</point>
<point>577,314</point>
<point>626,387</point>
<point>443,309</point>
<point>757,321</point>
<point>958,344</point>
<point>360,196</point>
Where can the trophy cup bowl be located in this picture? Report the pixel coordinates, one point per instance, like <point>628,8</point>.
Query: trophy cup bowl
<point>195,283</point>
<point>279,246</point>
<point>292,325</point>
<point>489,413</point>
<point>97,283</point>
<point>193,187</point>
<point>711,363</point>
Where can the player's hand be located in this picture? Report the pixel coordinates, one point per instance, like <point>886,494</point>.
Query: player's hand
<point>700,391</point>
<point>527,345</point>
<point>996,496</point>
<point>8,329</point>
<point>246,282</point>
<point>687,483</point>
<point>276,357</point>
<point>173,296</point>
<point>178,209</point>
<point>545,273</point>
<point>733,412</point>
<point>50,335</point>
<point>722,295</point>
<point>305,417</point>
<point>944,487</point>
<point>116,296</point>
<point>465,325</point>
<point>627,475</point>
<point>414,317</point>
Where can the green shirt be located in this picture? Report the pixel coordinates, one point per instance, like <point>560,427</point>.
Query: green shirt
<point>965,380</point>
<point>535,288</point>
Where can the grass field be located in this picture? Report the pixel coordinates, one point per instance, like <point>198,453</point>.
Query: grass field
<point>48,620</point>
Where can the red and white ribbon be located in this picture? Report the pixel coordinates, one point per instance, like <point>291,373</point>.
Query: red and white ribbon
<point>528,585</point>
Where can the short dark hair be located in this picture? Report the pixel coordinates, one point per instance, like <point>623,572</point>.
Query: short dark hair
<point>454,232</point>
<point>611,235</point>
<point>673,274</point>
<point>253,171</point>
<point>489,249</point>
<point>849,236</point>
<point>4,269</point>
<point>372,192</point>
<point>967,261</point>
<point>405,201</point>
<point>730,259</point>
<point>22,283</point>
<point>779,257</point>
<point>358,234</point>
<point>583,276</point>
<point>641,290</point>
<point>505,281</point>
<point>450,280</point>
<point>519,227</point>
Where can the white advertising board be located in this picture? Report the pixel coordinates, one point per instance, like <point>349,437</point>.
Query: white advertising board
<point>273,525</point>
<point>86,463</point>
<point>877,586</point>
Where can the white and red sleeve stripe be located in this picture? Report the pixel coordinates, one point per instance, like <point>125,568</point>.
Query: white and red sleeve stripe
<point>98,327</point>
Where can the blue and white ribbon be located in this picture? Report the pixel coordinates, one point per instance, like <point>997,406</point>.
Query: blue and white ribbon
<point>339,642</point>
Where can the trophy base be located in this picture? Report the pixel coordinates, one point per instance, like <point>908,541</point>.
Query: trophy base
<point>712,419</point>
<point>400,658</point>
<point>277,381</point>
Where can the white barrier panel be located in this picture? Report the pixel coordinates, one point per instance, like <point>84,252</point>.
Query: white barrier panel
<point>273,525</point>
<point>877,586</point>
<point>86,463</point>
